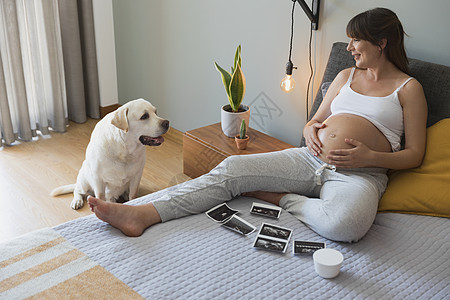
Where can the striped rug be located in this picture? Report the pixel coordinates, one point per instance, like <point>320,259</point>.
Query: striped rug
<point>43,265</point>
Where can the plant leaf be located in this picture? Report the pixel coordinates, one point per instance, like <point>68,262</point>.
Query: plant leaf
<point>226,79</point>
<point>237,58</point>
<point>237,88</point>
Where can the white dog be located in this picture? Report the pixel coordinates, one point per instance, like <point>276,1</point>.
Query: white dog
<point>115,155</point>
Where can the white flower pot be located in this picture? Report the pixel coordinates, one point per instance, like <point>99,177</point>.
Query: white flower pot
<point>231,121</point>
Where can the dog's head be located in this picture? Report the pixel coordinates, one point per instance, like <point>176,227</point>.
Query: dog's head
<point>139,120</point>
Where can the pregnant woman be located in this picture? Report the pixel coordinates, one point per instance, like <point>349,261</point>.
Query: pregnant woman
<point>334,184</point>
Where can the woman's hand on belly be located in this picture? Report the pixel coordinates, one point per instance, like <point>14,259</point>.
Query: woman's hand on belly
<point>349,141</point>
<point>311,139</point>
<point>358,156</point>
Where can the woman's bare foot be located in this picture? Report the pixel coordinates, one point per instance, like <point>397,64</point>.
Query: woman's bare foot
<point>131,220</point>
<point>270,197</point>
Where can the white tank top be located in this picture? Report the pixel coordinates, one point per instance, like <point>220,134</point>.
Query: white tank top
<point>386,113</point>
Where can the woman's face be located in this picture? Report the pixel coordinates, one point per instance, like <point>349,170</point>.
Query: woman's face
<point>364,52</point>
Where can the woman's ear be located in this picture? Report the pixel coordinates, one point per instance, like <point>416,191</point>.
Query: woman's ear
<point>383,43</point>
<point>120,119</point>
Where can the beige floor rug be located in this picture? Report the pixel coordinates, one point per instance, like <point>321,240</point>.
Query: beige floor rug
<point>43,265</point>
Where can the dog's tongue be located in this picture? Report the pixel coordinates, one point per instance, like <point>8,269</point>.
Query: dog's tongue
<point>151,141</point>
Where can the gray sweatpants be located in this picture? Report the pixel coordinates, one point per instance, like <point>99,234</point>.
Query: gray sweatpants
<point>340,204</point>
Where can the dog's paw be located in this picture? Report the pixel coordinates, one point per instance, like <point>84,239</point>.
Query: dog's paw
<point>77,203</point>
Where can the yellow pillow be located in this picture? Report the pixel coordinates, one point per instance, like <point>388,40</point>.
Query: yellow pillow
<point>424,190</point>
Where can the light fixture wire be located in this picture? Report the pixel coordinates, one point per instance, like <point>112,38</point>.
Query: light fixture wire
<point>311,73</point>
<point>311,70</point>
<point>292,29</point>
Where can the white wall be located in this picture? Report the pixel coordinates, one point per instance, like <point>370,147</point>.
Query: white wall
<point>166,50</point>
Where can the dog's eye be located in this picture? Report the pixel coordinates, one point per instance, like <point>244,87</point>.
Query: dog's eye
<point>145,116</point>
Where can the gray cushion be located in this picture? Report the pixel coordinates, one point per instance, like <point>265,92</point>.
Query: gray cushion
<point>434,78</point>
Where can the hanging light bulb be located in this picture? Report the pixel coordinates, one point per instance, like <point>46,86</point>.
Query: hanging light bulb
<point>288,83</point>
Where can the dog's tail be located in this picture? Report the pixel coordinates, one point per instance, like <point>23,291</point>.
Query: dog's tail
<point>65,189</point>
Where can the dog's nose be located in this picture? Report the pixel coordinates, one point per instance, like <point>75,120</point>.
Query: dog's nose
<point>165,124</point>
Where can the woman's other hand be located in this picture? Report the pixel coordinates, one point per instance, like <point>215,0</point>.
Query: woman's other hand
<point>312,140</point>
<point>359,156</point>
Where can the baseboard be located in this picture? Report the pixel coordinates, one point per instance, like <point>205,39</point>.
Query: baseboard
<point>104,110</point>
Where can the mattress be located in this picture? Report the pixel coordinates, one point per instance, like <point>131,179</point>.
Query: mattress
<point>402,257</point>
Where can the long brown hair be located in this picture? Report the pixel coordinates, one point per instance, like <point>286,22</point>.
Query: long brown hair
<point>377,24</point>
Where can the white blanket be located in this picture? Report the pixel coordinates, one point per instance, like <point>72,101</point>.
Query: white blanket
<point>401,257</point>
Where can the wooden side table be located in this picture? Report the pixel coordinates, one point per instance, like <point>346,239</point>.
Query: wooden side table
<point>205,147</point>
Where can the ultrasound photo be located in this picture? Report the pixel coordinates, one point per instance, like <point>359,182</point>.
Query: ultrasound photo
<point>221,213</point>
<point>266,210</point>
<point>273,238</point>
<point>268,244</point>
<point>275,231</point>
<point>239,225</point>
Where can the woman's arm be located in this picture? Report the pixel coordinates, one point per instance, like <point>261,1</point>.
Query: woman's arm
<point>414,105</point>
<point>323,112</point>
<point>415,114</point>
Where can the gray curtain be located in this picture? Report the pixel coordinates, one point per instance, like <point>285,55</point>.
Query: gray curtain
<point>48,67</point>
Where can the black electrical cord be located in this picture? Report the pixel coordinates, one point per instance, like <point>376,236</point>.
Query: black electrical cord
<point>311,72</point>
<point>292,29</point>
<point>289,65</point>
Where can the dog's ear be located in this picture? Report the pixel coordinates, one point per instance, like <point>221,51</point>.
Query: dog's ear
<point>120,119</point>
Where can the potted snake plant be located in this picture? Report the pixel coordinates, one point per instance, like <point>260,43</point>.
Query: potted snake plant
<point>242,138</point>
<point>234,82</point>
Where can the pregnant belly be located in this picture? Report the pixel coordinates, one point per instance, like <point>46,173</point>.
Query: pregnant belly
<point>342,126</point>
